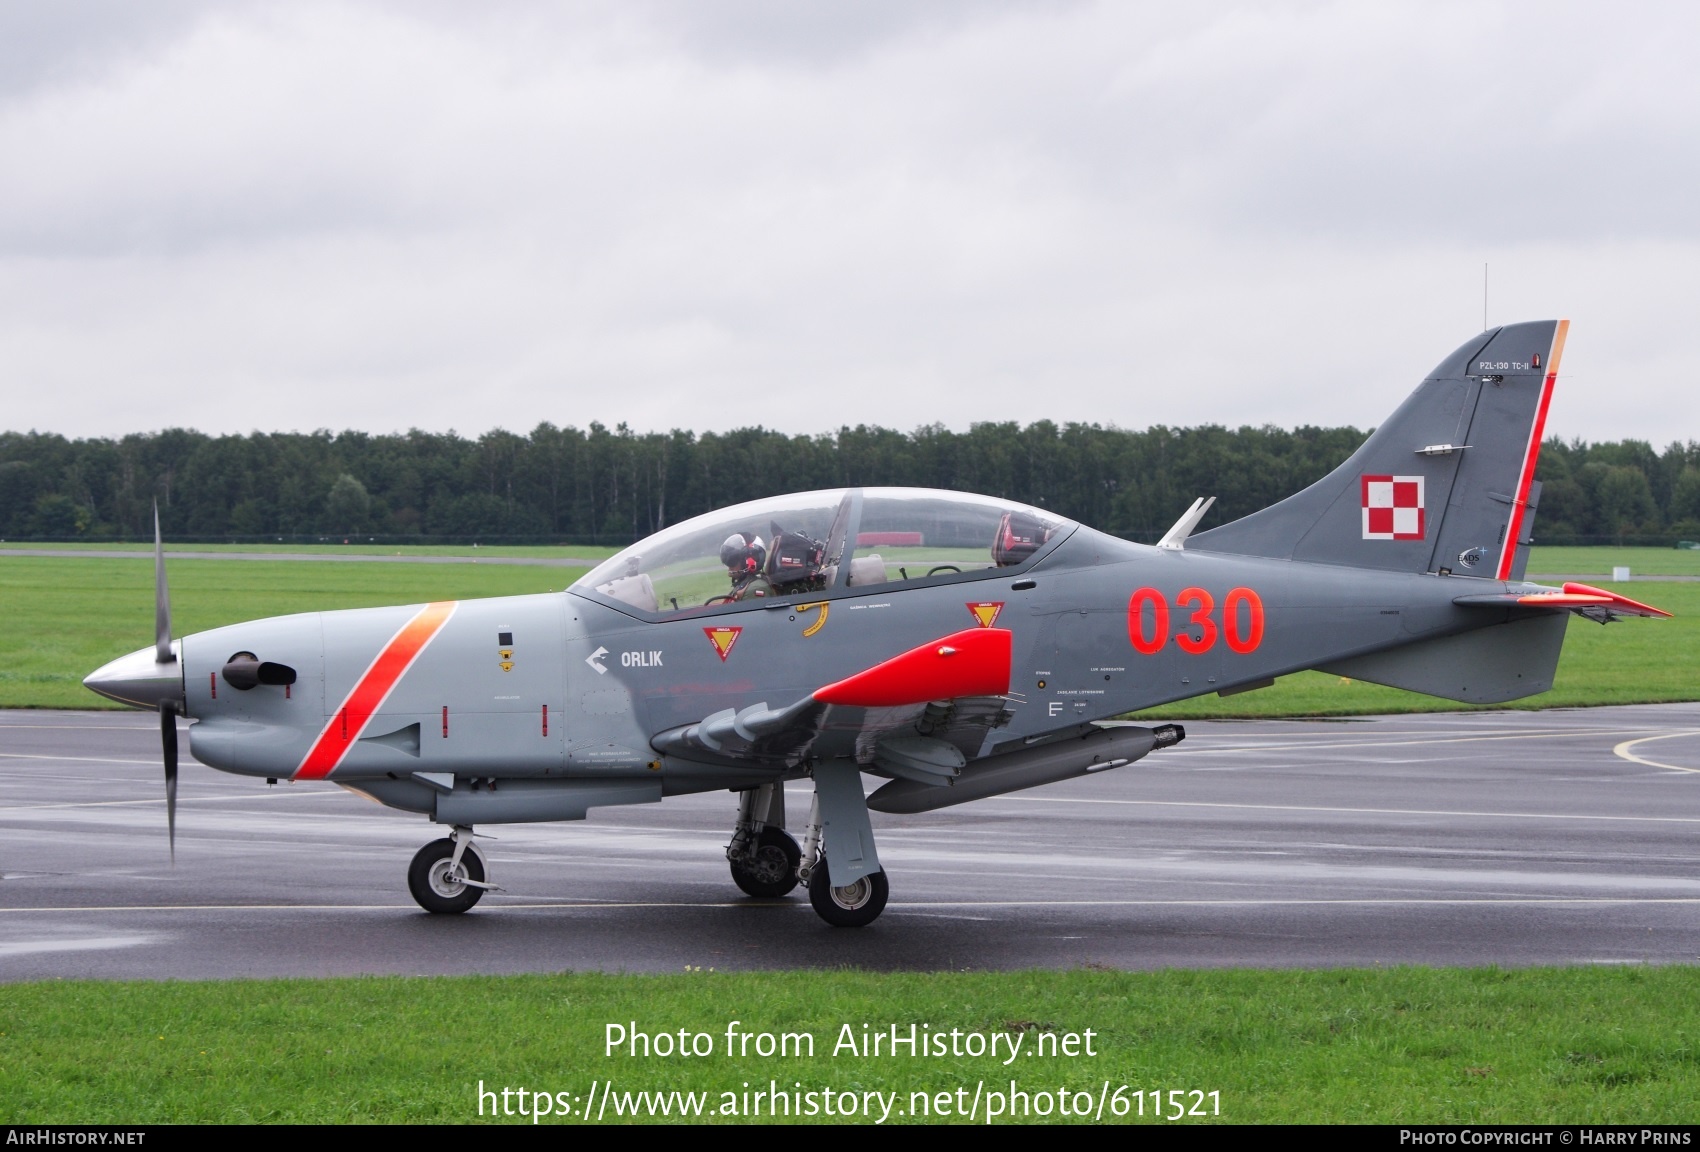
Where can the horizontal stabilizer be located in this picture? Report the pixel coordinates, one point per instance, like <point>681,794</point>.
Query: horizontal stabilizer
<point>1595,603</point>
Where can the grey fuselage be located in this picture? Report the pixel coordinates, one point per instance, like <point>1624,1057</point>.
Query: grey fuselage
<point>583,688</point>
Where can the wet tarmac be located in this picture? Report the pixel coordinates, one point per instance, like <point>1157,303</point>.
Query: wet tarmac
<point>1513,838</point>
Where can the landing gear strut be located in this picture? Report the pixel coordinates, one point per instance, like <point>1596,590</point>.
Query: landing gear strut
<point>447,875</point>
<point>839,804</point>
<point>762,856</point>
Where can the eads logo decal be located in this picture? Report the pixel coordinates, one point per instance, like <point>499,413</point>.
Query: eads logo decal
<point>722,639</point>
<point>986,612</point>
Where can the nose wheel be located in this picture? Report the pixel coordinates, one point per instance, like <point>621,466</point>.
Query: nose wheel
<point>447,875</point>
<point>858,903</point>
<point>853,905</point>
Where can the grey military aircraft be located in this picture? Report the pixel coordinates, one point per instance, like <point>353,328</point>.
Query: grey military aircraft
<point>952,646</point>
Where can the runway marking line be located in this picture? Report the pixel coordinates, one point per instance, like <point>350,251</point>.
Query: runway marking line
<point>800,906</point>
<point>4,727</point>
<point>375,907</point>
<point>1358,811</point>
<point>188,803</point>
<point>1623,750</point>
<point>1426,740</point>
<point>77,759</point>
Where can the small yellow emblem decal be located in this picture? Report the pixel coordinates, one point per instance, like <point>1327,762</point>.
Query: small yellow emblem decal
<point>825,609</point>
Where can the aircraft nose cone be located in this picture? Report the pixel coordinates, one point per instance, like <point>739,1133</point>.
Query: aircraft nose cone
<point>138,680</point>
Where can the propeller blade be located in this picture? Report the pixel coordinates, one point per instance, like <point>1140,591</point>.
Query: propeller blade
<point>161,599</point>
<point>168,743</point>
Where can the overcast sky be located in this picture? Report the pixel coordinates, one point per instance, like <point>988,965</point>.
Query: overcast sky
<point>707,215</point>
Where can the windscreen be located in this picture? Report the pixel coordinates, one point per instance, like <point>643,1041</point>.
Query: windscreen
<point>822,542</point>
<point>750,551</point>
<point>907,534</point>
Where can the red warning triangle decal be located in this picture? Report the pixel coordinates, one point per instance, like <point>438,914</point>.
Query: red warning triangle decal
<point>722,639</point>
<point>986,612</point>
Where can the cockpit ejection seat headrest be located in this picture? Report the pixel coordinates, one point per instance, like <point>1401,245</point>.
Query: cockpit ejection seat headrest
<point>867,570</point>
<point>638,591</point>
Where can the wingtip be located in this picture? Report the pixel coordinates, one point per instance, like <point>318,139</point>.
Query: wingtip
<point>1623,602</point>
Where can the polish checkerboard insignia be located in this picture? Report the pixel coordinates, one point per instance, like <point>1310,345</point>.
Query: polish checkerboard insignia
<point>1393,507</point>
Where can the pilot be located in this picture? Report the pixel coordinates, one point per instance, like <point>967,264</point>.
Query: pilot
<point>745,557</point>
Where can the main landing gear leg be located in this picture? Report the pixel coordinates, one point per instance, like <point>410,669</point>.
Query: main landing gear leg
<point>847,886</point>
<point>763,857</point>
<point>448,875</point>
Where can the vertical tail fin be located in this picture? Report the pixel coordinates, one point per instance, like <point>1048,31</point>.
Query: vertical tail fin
<point>1446,484</point>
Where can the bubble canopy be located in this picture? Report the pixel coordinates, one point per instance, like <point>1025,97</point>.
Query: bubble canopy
<point>835,542</point>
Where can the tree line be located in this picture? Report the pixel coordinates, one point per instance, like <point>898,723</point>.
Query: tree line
<point>602,485</point>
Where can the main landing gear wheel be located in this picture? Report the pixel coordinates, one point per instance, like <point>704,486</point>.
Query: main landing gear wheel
<point>432,884</point>
<point>771,870</point>
<point>851,906</point>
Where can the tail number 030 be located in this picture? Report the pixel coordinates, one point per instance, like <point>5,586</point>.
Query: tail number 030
<point>1149,616</point>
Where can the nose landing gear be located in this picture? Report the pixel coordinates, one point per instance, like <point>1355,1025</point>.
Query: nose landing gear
<point>839,804</point>
<point>447,875</point>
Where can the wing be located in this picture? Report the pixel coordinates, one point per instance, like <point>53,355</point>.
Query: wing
<point>1594,603</point>
<point>921,714</point>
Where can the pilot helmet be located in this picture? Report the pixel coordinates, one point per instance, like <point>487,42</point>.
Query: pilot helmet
<point>743,555</point>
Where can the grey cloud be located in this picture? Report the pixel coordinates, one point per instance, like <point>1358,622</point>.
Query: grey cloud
<point>72,41</point>
<point>380,215</point>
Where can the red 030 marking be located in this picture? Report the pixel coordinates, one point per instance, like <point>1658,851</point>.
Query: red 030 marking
<point>1149,616</point>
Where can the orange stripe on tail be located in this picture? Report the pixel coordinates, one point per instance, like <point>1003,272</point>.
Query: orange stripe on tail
<point>1526,478</point>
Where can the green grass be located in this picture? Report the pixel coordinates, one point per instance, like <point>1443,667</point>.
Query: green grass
<point>541,551</point>
<point>64,617</point>
<point>1408,1045</point>
<point>1600,561</point>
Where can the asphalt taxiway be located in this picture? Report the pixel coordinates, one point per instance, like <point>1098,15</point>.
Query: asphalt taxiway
<point>1512,838</point>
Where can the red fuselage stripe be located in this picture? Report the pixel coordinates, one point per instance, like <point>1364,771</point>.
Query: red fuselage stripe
<point>345,725</point>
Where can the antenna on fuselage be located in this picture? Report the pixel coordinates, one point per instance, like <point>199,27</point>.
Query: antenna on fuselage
<point>1175,538</point>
